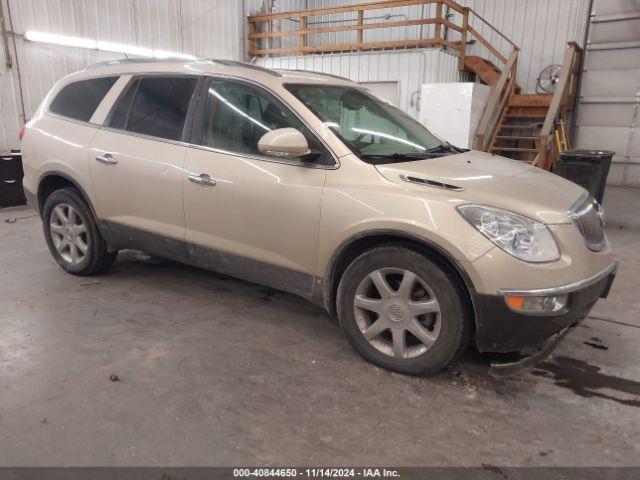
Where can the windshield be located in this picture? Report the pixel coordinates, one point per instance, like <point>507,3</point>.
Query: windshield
<point>373,129</point>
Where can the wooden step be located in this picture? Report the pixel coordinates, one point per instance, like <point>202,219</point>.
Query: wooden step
<point>525,115</point>
<point>530,100</point>
<point>513,149</point>
<point>510,126</point>
<point>486,71</point>
<point>516,137</point>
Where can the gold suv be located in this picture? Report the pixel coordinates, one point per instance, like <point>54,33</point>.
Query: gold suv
<point>310,184</point>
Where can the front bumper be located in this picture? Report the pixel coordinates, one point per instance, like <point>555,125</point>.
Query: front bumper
<point>500,329</point>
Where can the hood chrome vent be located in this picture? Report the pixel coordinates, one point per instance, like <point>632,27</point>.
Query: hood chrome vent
<point>430,183</point>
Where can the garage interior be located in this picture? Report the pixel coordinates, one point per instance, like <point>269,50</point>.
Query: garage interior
<point>215,371</point>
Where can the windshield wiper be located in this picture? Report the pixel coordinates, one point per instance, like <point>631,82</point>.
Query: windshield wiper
<point>447,147</point>
<point>398,157</point>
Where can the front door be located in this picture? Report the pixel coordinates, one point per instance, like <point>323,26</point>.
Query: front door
<point>252,216</point>
<point>136,165</point>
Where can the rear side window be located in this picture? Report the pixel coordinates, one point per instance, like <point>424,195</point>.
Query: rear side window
<point>79,100</point>
<point>155,106</point>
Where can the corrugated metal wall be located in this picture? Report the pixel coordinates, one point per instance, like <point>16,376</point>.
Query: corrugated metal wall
<point>216,28</point>
<point>609,103</point>
<point>410,68</point>
<point>204,28</point>
<point>541,28</point>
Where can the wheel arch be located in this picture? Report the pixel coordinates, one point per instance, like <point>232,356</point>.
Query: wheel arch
<point>55,180</point>
<point>360,243</point>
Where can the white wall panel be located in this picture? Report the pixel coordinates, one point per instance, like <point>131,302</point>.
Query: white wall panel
<point>10,120</point>
<point>410,68</point>
<point>204,28</point>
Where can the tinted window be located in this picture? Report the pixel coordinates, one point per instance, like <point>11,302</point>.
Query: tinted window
<point>237,115</point>
<point>160,106</point>
<point>80,99</point>
<point>121,111</point>
<point>375,130</point>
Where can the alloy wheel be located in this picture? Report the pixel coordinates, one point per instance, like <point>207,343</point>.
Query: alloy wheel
<point>69,233</point>
<point>397,312</point>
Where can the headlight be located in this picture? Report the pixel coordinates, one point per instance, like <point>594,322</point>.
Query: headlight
<point>520,236</point>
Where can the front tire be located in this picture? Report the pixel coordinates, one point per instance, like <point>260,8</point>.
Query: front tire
<point>72,234</point>
<point>402,311</point>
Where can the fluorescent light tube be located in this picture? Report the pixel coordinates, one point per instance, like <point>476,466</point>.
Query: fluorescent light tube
<point>63,40</point>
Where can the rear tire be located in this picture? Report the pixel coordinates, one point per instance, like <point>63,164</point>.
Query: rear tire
<point>402,311</point>
<point>72,234</point>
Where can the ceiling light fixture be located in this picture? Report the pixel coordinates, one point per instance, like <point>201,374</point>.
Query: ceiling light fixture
<point>63,40</point>
<point>67,41</point>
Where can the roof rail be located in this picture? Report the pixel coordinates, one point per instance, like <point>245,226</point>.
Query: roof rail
<point>235,63</point>
<point>128,61</point>
<point>315,73</point>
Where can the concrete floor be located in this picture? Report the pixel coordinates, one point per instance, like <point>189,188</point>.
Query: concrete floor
<point>215,371</point>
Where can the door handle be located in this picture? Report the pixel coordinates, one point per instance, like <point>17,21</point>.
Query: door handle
<point>202,179</point>
<point>106,158</point>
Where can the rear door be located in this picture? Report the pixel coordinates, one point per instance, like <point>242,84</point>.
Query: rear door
<point>136,163</point>
<point>253,216</point>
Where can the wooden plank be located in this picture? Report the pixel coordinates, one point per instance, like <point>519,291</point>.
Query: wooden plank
<point>486,43</point>
<point>451,25</point>
<point>438,17</point>
<point>516,137</point>
<point>514,149</point>
<point>345,28</point>
<point>348,47</point>
<point>494,100</point>
<point>360,36</point>
<point>484,70</point>
<point>558,95</point>
<point>453,5</point>
<point>510,126</point>
<point>344,9</point>
<point>525,115</point>
<point>303,37</point>
<point>463,38</point>
<point>531,100</point>
<point>483,20</point>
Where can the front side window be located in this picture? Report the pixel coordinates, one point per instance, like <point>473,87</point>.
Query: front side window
<point>79,100</point>
<point>236,115</point>
<point>155,106</point>
<point>374,130</point>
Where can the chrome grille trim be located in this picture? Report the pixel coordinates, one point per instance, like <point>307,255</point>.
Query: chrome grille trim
<point>588,218</point>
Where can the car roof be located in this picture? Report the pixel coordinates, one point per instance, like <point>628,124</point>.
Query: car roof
<point>141,66</point>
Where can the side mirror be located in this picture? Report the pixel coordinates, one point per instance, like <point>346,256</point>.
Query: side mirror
<point>284,142</point>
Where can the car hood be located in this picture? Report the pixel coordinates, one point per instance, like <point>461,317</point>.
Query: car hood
<point>492,180</point>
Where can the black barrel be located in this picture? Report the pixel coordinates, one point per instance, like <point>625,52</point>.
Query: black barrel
<point>587,168</point>
<point>11,192</point>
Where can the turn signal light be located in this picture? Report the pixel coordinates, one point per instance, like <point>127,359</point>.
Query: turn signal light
<point>543,305</point>
<point>21,134</point>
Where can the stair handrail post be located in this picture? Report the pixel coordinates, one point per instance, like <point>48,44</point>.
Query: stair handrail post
<point>438,29</point>
<point>558,101</point>
<point>496,102</point>
<point>463,38</point>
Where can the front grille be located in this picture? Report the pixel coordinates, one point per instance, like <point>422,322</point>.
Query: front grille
<point>588,219</point>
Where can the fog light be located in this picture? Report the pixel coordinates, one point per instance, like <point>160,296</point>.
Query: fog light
<point>539,305</point>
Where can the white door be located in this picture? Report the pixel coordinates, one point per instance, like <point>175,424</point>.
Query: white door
<point>136,161</point>
<point>253,216</point>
